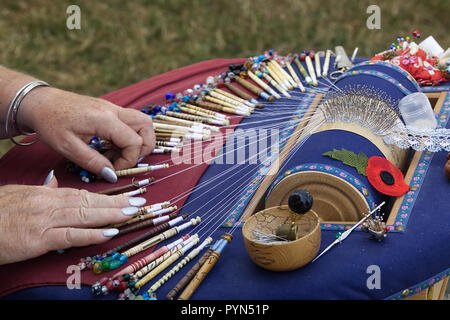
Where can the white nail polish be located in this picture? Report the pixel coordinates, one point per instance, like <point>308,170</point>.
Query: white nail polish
<point>130,211</point>
<point>110,232</point>
<point>137,201</point>
<point>109,175</point>
<point>49,178</point>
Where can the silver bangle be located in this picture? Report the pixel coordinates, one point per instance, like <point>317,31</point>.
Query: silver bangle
<point>11,116</point>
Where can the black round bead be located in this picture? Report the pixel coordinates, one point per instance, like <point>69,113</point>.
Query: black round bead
<point>300,201</point>
<point>387,178</point>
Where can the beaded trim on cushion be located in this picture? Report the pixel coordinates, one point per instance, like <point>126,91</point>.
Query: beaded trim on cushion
<point>377,74</point>
<point>420,286</point>
<point>390,65</point>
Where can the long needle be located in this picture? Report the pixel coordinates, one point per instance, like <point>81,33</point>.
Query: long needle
<point>347,233</point>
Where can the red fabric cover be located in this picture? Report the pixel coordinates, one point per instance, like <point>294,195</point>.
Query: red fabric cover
<point>421,66</point>
<point>30,165</point>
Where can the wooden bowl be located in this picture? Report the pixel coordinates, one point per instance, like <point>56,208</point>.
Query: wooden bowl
<point>282,256</point>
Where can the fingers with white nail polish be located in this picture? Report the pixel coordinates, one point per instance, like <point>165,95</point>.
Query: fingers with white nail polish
<point>63,238</point>
<point>109,175</point>
<point>110,232</point>
<point>130,211</point>
<point>48,178</point>
<point>137,201</point>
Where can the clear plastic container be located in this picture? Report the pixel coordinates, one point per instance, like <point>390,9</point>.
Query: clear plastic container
<point>416,111</point>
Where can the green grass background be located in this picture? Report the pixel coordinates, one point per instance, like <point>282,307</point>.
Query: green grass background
<point>123,42</point>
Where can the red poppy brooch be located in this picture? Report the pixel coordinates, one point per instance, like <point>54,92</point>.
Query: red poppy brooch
<point>381,173</point>
<point>385,177</point>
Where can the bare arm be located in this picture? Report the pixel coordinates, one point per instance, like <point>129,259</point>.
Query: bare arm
<point>66,121</point>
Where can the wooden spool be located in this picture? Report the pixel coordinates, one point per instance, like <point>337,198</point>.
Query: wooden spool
<point>335,200</point>
<point>282,256</point>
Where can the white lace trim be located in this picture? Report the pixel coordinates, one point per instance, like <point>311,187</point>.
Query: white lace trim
<point>432,140</point>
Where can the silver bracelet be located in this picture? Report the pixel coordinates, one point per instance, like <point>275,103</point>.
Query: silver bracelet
<point>11,116</point>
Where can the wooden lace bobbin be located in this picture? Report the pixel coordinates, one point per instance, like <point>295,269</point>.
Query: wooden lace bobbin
<point>276,77</point>
<point>283,255</point>
<point>334,198</point>
<point>127,186</point>
<point>284,82</point>
<point>243,95</point>
<point>235,103</point>
<point>185,131</point>
<point>234,97</point>
<point>160,150</point>
<point>317,63</point>
<point>157,262</point>
<point>175,149</point>
<point>295,77</point>
<point>169,139</point>
<point>213,107</point>
<point>208,109</point>
<point>193,132</point>
<point>161,237</point>
<point>166,250</point>
<point>288,76</point>
<point>161,261</point>
<point>282,90</point>
<point>303,72</point>
<point>326,63</point>
<point>179,265</point>
<point>182,119</point>
<point>311,71</point>
<point>154,207</point>
<point>151,233</point>
<point>185,134</point>
<point>193,118</point>
<point>196,112</point>
<point>171,128</point>
<point>227,105</point>
<point>203,116</point>
<point>205,107</point>
<point>174,120</point>
<point>252,88</point>
<point>148,223</point>
<point>168,136</point>
<point>166,263</point>
<point>189,117</point>
<point>135,192</point>
<point>205,268</point>
<point>263,85</point>
<point>167,143</point>
<point>132,171</point>
<point>141,217</point>
<point>271,78</point>
<point>188,276</point>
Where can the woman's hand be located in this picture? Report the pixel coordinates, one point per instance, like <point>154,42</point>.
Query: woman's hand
<point>35,220</point>
<point>66,122</point>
